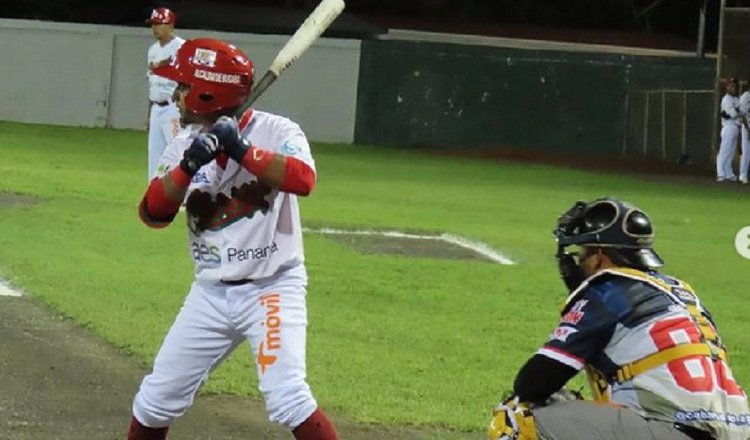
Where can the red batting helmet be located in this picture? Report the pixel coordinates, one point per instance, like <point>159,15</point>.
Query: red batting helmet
<point>219,75</point>
<point>161,16</point>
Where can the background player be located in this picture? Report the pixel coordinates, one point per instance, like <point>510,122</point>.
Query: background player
<point>745,113</point>
<point>163,117</point>
<point>245,237</point>
<point>731,119</point>
<point>647,342</point>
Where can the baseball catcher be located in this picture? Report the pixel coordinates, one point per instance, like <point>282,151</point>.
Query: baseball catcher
<point>654,359</point>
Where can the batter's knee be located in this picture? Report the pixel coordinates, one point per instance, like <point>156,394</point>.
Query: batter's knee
<point>290,405</point>
<point>156,409</point>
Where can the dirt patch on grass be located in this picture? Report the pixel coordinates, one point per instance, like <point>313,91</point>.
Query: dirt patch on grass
<point>10,200</point>
<point>411,247</point>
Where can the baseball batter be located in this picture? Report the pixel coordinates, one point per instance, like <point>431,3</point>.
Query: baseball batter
<point>731,120</point>
<point>657,366</point>
<point>240,180</point>
<point>163,117</point>
<point>745,158</point>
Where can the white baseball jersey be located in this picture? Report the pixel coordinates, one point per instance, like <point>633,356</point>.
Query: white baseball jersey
<point>240,228</point>
<point>159,88</point>
<point>745,103</point>
<point>731,106</point>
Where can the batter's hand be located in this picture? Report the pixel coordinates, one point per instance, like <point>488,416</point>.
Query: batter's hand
<point>203,150</point>
<point>227,131</point>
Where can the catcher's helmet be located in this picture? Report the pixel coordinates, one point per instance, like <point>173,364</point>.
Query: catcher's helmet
<point>219,75</point>
<point>623,230</point>
<point>161,16</point>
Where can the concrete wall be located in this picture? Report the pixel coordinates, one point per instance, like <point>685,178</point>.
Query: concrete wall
<point>95,76</point>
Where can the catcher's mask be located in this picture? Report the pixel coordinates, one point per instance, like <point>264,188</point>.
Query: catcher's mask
<point>623,231</point>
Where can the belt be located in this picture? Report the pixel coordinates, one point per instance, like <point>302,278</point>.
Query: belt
<point>160,103</point>
<point>237,282</point>
<point>693,433</point>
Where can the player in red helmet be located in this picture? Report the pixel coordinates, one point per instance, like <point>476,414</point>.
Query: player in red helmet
<point>240,180</point>
<point>162,117</point>
<point>161,16</point>
<point>215,75</point>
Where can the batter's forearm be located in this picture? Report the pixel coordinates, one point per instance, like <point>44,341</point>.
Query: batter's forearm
<point>163,198</point>
<point>286,173</point>
<point>273,174</point>
<point>176,184</point>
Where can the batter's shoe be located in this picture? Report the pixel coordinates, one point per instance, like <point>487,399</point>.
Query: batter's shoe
<point>317,427</point>
<point>139,432</point>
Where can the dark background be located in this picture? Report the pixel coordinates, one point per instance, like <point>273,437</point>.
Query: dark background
<point>671,24</point>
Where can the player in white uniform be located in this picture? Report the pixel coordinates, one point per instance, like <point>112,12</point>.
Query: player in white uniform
<point>657,365</point>
<point>163,118</point>
<point>240,180</point>
<point>731,119</point>
<point>745,113</point>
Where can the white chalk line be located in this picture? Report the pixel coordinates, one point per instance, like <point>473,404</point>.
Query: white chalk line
<point>7,290</point>
<point>475,246</point>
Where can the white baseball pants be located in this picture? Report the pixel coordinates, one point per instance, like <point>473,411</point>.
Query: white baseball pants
<point>215,318</point>
<point>745,158</point>
<point>727,150</point>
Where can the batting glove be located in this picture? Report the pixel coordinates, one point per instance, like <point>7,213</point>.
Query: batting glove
<point>227,131</point>
<point>203,150</point>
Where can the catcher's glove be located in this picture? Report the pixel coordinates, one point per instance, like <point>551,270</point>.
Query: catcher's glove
<point>512,420</point>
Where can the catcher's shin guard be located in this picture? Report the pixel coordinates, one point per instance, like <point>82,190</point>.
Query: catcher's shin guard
<point>139,432</point>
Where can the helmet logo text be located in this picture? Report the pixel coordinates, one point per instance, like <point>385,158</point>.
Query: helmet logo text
<point>217,77</point>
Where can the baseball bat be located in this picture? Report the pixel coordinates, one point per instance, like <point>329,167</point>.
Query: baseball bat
<point>312,28</point>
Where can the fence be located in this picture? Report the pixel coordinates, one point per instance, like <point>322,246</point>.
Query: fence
<point>670,125</point>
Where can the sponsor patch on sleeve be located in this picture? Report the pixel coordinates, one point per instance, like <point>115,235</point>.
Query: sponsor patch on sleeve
<point>290,149</point>
<point>575,314</point>
<point>562,333</point>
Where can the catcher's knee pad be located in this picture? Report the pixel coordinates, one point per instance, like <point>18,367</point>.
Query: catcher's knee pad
<point>289,405</point>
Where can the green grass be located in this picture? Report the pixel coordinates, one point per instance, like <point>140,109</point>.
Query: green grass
<point>395,340</point>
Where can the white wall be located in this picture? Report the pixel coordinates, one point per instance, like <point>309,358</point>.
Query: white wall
<point>95,76</point>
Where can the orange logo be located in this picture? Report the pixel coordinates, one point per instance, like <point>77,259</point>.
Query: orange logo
<point>272,341</point>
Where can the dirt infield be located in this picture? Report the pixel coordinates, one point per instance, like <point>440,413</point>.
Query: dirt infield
<point>59,382</point>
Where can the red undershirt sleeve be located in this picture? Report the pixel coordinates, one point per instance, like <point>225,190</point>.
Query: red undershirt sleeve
<point>299,177</point>
<point>156,209</point>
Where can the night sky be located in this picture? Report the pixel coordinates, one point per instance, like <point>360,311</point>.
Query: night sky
<point>674,19</point>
